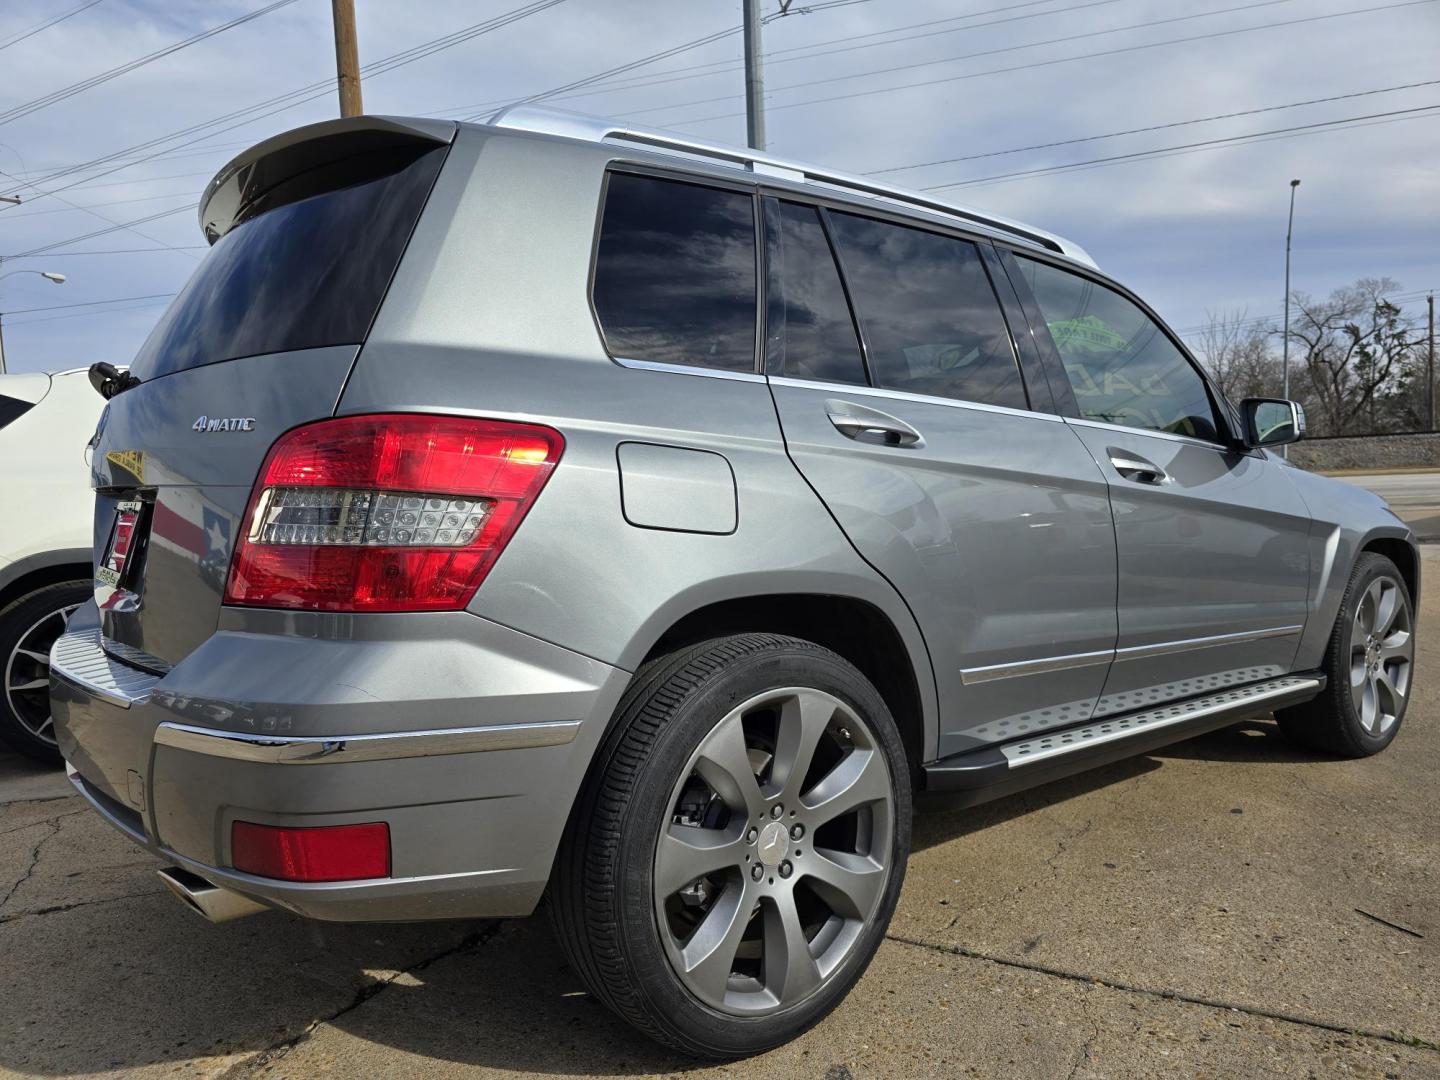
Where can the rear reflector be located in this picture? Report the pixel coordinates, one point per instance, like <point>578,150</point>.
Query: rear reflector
<point>387,513</point>
<point>330,853</point>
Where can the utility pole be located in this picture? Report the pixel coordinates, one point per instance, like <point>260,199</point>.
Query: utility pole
<point>1430,359</point>
<point>754,78</point>
<point>347,57</point>
<point>1285,343</point>
<point>2,343</point>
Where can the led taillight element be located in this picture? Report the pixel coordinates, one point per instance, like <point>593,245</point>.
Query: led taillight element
<point>125,521</point>
<point>327,853</point>
<point>387,513</point>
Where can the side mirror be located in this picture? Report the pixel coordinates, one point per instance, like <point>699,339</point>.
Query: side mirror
<point>1272,421</point>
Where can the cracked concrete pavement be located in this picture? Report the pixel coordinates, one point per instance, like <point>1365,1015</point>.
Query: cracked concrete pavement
<point>1226,907</point>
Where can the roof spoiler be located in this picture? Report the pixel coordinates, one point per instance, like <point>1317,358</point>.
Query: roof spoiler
<point>257,170</point>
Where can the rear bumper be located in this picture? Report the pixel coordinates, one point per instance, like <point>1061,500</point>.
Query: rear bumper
<point>470,740</point>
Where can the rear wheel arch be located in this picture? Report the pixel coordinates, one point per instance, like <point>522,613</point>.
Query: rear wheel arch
<point>855,629</point>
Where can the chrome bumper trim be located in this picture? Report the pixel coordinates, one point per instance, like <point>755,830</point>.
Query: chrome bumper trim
<point>319,750</point>
<point>79,658</point>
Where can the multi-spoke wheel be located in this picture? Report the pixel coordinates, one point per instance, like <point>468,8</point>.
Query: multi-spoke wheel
<point>1369,662</point>
<point>1382,646</point>
<point>28,627</point>
<point>731,867</point>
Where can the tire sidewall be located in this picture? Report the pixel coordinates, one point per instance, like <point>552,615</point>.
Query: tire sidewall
<point>665,997</point>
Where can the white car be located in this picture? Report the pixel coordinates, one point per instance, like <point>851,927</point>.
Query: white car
<point>46,423</point>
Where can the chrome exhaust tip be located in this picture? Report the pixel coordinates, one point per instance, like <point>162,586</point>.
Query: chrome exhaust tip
<point>207,899</point>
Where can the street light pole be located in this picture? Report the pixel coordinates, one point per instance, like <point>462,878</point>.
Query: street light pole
<point>1285,342</point>
<point>48,275</point>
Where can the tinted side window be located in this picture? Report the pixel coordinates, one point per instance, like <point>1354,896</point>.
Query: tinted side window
<point>675,273</point>
<point>1122,366</point>
<point>931,321</point>
<point>808,330</point>
<point>12,409</point>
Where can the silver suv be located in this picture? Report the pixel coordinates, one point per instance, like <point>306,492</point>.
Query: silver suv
<point>558,508</point>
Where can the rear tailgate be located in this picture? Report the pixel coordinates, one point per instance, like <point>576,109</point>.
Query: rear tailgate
<point>307,230</point>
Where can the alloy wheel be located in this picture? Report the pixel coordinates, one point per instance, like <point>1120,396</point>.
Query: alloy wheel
<point>27,674</point>
<point>1382,651</point>
<point>776,851</point>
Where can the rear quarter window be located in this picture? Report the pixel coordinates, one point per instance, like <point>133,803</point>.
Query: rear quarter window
<point>675,273</point>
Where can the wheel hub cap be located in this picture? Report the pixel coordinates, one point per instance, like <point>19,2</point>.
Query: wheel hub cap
<point>774,839</point>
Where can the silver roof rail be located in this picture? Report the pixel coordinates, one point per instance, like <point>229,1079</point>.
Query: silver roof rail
<point>575,125</point>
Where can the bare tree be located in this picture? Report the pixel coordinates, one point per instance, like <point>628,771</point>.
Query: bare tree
<point>1355,349</point>
<point>1239,353</point>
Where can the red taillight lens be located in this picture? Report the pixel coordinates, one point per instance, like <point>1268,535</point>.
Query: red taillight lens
<point>329,853</point>
<point>387,513</point>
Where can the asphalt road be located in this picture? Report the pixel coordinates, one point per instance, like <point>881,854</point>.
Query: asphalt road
<point>1194,912</point>
<point>1413,494</point>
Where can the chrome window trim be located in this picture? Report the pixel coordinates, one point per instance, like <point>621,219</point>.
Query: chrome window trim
<point>1220,448</point>
<point>1165,648</point>
<point>334,749</point>
<point>1045,664</point>
<point>689,369</point>
<point>843,389</point>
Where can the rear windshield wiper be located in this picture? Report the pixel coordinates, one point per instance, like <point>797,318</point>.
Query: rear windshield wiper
<point>109,380</point>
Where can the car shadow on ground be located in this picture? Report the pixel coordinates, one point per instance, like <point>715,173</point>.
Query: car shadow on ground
<point>496,994</point>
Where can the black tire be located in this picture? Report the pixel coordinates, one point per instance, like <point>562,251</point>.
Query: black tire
<point>1330,722</point>
<point>603,890</point>
<point>31,614</point>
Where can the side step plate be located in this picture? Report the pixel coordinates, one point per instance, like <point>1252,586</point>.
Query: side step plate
<point>981,775</point>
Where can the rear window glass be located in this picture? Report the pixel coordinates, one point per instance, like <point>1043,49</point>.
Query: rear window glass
<point>12,409</point>
<point>808,330</point>
<point>931,320</point>
<point>675,273</point>
<point>306,267</point>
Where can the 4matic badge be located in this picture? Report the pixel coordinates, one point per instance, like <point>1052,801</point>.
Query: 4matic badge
<point>203,424</point>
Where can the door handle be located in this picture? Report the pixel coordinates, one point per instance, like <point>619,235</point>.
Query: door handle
<point>864,424</point>
<point>1133,467</point>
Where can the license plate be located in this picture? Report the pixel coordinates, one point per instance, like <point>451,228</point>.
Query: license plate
<point>122,539</point>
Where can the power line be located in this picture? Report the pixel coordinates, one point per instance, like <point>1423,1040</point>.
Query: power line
<point>84,314</point>
<point>109,221</point>
<point>117,227</point>
<point>123,69</point>
<point>1063,59</point>
<point>285,101</point>
<point>21,35</point>
<point>1152,127</point>
<point>1207,143</point>
<point>91,303</point>
<point>985,52</point>
<point>111,251</point>
<point>781,56</point>
<point>618,70</point>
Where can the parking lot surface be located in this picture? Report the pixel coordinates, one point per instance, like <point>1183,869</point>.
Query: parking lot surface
<point>1225,908</point>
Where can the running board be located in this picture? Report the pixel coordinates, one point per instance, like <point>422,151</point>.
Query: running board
<point>994,771</point>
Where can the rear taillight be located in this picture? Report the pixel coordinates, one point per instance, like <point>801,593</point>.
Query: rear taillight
<point>386,513</point>
<point>326,853</point>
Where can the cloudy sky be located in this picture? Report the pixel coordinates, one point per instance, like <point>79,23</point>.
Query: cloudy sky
<point>981,88</point>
